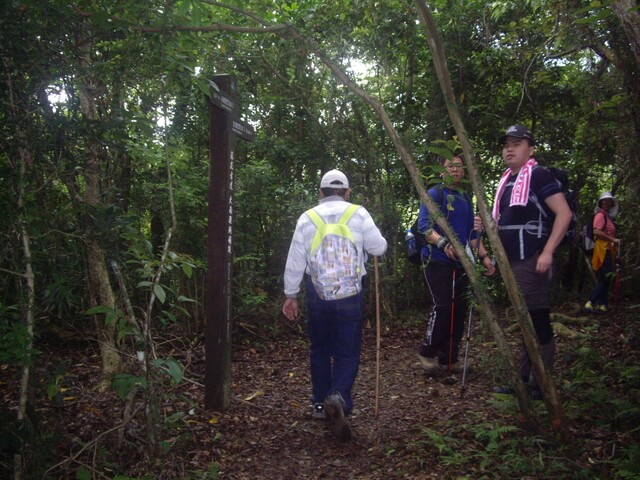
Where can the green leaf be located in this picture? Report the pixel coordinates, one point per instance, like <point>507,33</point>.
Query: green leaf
<point>203,86</point>
<point>125,383</point>
<point>160,293</point>
<point>172,367</point>
<point>83,474</point>
<point>187,270</point>
<point>170,316</point>
<point>99,309</point>
<point>443,152</point>
<point>52,390</point>
<point>182,298</point>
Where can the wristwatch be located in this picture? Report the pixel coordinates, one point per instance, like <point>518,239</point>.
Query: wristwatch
<point>442,242</point>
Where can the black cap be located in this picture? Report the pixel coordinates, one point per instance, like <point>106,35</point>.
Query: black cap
<point>518,131</point>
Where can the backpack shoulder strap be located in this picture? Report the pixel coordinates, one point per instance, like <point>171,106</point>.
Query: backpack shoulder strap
<point>441,198</point>
<point>440,191</point>
<point>348,213</point>
<point>320,224</point>
<point>344,219</point>
<point>315,217</point>
<point>323,228</point>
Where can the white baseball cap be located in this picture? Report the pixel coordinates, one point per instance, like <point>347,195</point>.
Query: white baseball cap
<point>334,179</point>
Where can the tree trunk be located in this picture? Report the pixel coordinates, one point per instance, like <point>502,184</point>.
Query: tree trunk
<point>26,161</point>
<point>629,16</point>
<point>97,271</point>
<point>102,294</point>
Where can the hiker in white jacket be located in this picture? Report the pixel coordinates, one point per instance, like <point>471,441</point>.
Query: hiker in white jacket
<point>334,294</point>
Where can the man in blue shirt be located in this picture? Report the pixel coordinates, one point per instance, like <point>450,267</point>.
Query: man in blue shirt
<point>445,278</point>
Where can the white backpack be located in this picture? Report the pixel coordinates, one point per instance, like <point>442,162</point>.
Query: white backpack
<point>335,264</point>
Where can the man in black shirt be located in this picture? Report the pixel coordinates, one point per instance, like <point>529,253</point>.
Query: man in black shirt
<point>533,217</point>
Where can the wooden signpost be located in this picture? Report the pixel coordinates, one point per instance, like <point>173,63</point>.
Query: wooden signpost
<point>225,127</point>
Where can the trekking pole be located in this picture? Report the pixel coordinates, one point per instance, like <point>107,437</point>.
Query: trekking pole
<point>463,385</point>
<point>453,300</point>
<point>377,281</point>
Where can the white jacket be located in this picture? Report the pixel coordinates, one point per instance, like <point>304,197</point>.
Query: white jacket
<point>366,236</point>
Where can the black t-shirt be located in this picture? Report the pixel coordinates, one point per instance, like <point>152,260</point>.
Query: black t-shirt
<point>521,243</point>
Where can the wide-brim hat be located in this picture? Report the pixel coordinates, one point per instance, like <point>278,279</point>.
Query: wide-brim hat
<point>616,206</point>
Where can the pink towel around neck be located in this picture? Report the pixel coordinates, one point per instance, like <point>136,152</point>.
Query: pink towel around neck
<point>520,191</point>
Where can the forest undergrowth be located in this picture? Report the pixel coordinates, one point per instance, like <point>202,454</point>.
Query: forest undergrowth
<point>422,428</point>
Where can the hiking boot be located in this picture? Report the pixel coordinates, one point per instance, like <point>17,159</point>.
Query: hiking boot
<point>318,411</point>
<point>429,365</point>
<point>589,306</point>
<point>602,308</point>
<point>335,413</point>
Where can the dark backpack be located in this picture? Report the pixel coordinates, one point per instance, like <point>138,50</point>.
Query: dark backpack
<point>562,178</point>
<point>414,240</point>
<point>587,241</point>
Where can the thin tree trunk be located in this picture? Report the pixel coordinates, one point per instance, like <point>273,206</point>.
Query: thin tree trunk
<point>26,160</point>
<point>25,156</point>
<point>97,271</point>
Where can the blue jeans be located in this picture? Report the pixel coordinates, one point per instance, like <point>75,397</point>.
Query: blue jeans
<point>335,335</point>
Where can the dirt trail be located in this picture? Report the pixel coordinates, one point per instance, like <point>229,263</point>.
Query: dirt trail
<point>272,434</point>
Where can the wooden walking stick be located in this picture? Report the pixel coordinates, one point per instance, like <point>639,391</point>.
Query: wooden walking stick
<point>377,282</point>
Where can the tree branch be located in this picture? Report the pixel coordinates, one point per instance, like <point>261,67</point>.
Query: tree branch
<point>216,27</point>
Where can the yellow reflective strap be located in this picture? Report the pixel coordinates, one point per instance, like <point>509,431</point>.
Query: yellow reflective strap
<point>339,228</point>
<point>348,213</point>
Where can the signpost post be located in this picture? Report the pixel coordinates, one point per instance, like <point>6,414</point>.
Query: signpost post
<point>224,128</point>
